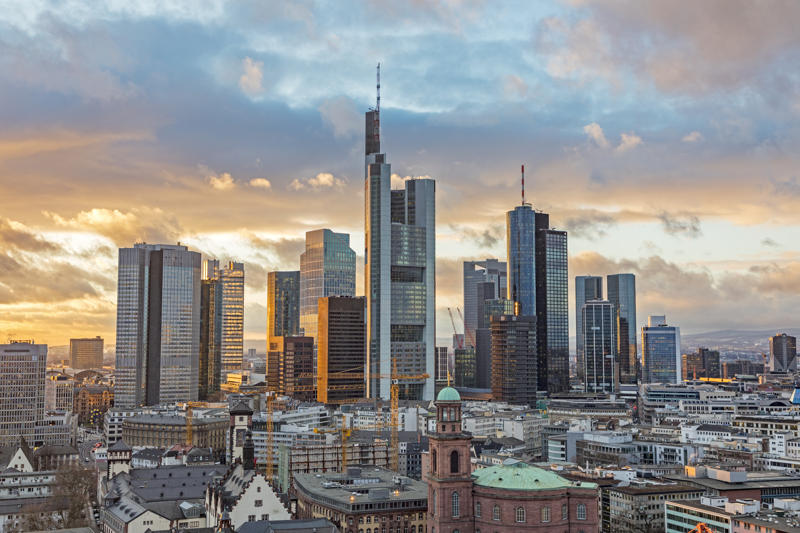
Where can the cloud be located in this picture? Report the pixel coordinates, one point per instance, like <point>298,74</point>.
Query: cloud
<point>399,182</point>
<point>323,180</point>
<point>486,237</point>
<point>221,182</point>
<point>252,78</point>
<point>628,141</point>
<point>14,235</point>
<point>789,186</point>
<point>692,137</point>
<point>262,183</point>
<point>342,115</point>
<point>769,242</point>
<point>589,225</point>
<point>688,225</point>
<point>515,87</point>
<point>595,133</point>
<point>124,227</point>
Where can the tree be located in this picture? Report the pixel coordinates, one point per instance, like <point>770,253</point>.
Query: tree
<point>78,487</point>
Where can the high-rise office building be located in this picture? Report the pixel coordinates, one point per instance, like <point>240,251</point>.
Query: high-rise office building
<point>514,359</point>
<point>489,271</point>
<point>600,362</point>
<point>327,268</point>
<point>158,325</point>
<point>487,309</point>
<point>210,361</point>
<point>231,280</point>
<point>341,349</point>
<point>586,288</point>
<point>464,367</point>
<point>86,353</point>
<point>290,367</point>
<point>661,351</point>
<point>442,365</point>
<point>538,284</point>
<point>400,273</point>
<point>283,304</point>
<point>22,396</point>
<point>783,353</point>
<point>622,293</point>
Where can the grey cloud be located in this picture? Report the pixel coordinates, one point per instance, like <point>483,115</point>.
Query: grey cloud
<point>590,225</point>
<point>769,242</point>
<point>688,225</point>
<point>485,238</point>
<point>19,237</point>
<point>789,186</point>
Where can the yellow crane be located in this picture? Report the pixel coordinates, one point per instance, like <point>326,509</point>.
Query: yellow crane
<point>701,528</point>
<point>189,408</point>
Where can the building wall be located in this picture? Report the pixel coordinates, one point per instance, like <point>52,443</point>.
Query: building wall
<point>341,349</point>
<point>22,406</point>
<point>86,353</point>
<point>283,304</point>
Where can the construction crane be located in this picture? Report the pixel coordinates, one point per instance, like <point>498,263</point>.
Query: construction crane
<point>455,330</point>
<point>471,338</point>
<point>345,433</point>
<point>701,528</point>
<point>189,414</point>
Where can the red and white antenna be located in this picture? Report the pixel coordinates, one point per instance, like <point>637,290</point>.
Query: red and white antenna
<point>523,184</point>
<point>378,103</point>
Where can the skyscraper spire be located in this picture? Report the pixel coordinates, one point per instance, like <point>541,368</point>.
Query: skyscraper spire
<point>523,184</point>
<point>378,104</point>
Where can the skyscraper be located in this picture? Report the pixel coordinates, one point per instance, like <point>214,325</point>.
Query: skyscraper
<point>514,360</point>
<point>341,349</point>
<point>487,309</point>
<point>600,364</point>
<point>475,272</point>
<point>158,325</point>
<point>661,351</point>
<point>283,304</point>
<point>442,365</point>
<point>538,284</point>
<point>22,373</point>
<point>210,364</point>
<point>86,353</point>
<point>586,288</point>
<point>227,318</point>
<point>783,353</point>
<point>327,268</point>
<point>622,293</point>
<point>400,272</point>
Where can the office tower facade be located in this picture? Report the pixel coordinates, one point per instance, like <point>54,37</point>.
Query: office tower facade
<point>400,273</point>
<point>327,268</point>
<point>600,362</point>
<point>514,359</point>
<point>341,349</point>
<point>283,304</point>
<point>487,309</point>
<point>711,363</point>
<point>231,281</point>
<point>621,290</point>
<point>158,325</point>
<point>290,367</point>
<point>22,396</point>
<point>86,353</point>
<point>661,351</point>
<point>442,365</point>
<point>521,266</point>
<point>489,271</point>
<point>586,288</point>
<point>692,365</point>
<point>210,361</point>
<point>783,353</point>
<point>464,367</point>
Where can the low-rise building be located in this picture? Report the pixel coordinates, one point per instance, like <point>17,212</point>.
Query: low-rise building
<point>164,431</point>
<point>639,508</point>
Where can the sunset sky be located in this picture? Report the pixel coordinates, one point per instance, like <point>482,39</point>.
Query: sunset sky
<point>664,137</point>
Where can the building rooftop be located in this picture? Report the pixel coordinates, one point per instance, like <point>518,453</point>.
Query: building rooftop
<point>317,525</point>
<point>516,475</point>
<point>656,488</point>
<point>448,394</point>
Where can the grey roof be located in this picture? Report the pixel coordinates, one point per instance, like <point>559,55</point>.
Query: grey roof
<point>120,446</point>
<point>718,428</point>
<point>126,509</point>
<point>172,482</point>
<point>149,453</point>
<point>318,525</point>
<point>55,449</point>
<point>170,420</point>
<point>241,408</point>
<point>7,452</point>
<point>18,505</point>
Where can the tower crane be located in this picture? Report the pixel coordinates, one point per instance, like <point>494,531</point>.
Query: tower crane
<point>471,338</point>
<point>701,528</point>
<point>455,329</point>
<point>189,414</point>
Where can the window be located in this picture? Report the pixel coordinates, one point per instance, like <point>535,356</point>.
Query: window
<point>455,531</point>
<point>454,462</point>
<point>251,518</point>
<point>456,505</point>
<point>369,520</point>
<point>360,519</point>
<point>564,514</point>
<point>433,461</point>
<point>580,512</point>
<point>433,512</point>
<point>478,509</point>
<point>259,503</point>
<point>520,514</point>
<point>496,512</point>
<point>258,489</point>
<point>545,514</point>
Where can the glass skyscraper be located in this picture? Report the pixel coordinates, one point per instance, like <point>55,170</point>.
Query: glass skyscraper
<point>521,267</point>
<point>158,325</point>
<point>782,353</point>
<point>283,304</point>
<point>475,272</point>
<point>622,293</point>
<point>586,288</point>
<point>22,396</point>
<point>222,340</point>
<point>661,351</point>
<point>327,268</point>
<point>400,273</point>
<point>599,363</point>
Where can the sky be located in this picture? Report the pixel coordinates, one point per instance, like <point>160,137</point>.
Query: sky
<point>664,137</point>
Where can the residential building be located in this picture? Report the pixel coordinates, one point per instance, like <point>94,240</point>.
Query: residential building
<point>514,359</point>
<point>86,353</point>
<point>600,357</point>
<point>158,292</point>
<point>783,353</point>
<point>327,268</point>
<point>283,304</point>
<point>586,288</point>
<point>91,402</point>
<point>341,349</point>
<point>621,290</point>
<point>661,351</point>
<point>22,406</point>
<point>400,273</point>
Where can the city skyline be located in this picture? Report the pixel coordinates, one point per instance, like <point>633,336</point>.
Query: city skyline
<point>651,169</point>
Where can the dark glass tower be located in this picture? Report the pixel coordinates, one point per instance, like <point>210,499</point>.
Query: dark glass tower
<point>341,349</point>
<point>586,288</point>
<point>622,293</point>
<point>599,321</point>
<point>514,361</point>
<point>283,304</point>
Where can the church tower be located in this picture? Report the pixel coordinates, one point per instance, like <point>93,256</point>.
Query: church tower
<point>449,477</point>
<point>241,422</point>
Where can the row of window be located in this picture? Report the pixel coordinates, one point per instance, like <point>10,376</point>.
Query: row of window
<point>520,513</point>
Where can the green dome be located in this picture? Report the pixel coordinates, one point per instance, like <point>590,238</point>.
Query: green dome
<point>516,475</point>
<point>448,394</point>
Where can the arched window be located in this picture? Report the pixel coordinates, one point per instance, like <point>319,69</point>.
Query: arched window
<point>478,509</point>
<point>564,514</point>
<point>545,514</point>
<point>445,414</point>
<point>520,514</point>
<point>433,461</point>
<point>456,505</point>
<point>433,512</point>
<point>580,512</point>
<point>454,462</point>
<point>413,529</point>
<point>496,512</point>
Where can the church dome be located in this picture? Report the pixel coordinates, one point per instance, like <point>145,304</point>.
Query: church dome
<point>448,394</point>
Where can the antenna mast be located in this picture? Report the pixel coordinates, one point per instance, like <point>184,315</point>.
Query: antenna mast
<point>378,104</point>
<point>523,184</point>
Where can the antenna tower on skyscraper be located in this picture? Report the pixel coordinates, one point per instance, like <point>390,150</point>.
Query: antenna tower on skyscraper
<point>523,184</point>
<point>378,104</point>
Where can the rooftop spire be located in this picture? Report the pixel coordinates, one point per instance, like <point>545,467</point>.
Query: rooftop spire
<point>378,103</point>
<point>523,184</point>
